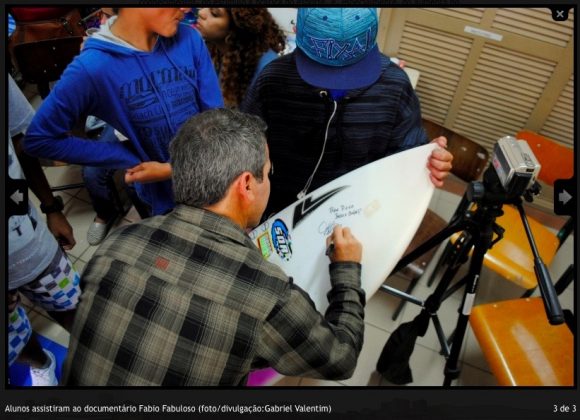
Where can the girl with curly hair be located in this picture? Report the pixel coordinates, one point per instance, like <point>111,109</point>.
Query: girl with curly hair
<point>241,42</point>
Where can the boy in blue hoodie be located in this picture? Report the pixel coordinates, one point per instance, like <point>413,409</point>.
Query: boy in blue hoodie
<point>144,74</point>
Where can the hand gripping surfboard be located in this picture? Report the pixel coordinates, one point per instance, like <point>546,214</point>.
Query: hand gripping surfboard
<point>382,203</point>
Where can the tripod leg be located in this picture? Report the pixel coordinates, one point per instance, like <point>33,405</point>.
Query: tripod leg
<point>565,279</point>
<point>446,279</point>
<point>454,254</point>
<point>433,302</point>
<point>529,292</point>
<point>456,258</point>
<point>440,263</point>
<point>409,290</point>
<point>440,335</point>
<point>436,239</point>
<point>460,212</point>
<point>482,244</point>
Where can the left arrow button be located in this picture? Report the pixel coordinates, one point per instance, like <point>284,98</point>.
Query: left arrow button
<point>17,197</point>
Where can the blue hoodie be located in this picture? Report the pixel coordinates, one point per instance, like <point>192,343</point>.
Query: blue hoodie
<point>146,96</point>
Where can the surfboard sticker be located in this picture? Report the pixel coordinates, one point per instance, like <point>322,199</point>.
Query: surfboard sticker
<point>383,204</point>
<point>281,240</point>
<point>265,245</point>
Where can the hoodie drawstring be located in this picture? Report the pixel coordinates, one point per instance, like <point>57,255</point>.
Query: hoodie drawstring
<point>184,74</point>
<point>166,112</point>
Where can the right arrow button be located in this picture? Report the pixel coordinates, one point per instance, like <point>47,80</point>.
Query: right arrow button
<point>564,197</point>
<point>564,194</point>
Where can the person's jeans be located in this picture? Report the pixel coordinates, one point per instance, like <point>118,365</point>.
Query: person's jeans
<point>99,184</point>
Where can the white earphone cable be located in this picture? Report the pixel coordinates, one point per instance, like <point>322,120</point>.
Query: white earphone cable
<point>302,193</point>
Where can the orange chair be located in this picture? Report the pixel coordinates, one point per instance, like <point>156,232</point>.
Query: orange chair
<point>512,257</point>
<point>521,347</point>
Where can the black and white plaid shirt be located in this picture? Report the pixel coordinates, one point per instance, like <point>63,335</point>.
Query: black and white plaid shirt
<point>188,300</point>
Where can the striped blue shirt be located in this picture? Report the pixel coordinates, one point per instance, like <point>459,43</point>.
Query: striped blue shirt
<point>369,124</point>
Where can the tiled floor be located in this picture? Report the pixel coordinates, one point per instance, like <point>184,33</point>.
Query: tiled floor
<point>426,362</point>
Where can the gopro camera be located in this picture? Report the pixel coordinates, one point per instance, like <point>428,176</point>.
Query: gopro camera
<point>515,164</point>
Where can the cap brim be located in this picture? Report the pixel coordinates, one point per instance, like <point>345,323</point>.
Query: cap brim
<point>358,75</point>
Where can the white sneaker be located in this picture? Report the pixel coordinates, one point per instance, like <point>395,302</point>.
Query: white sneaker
<point>45,376</point>
<point>98,231</point>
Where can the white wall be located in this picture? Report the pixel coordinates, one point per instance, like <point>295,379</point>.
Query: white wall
<point>284,16</point>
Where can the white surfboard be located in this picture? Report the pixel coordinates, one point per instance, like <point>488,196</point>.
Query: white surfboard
<point>382,203</point>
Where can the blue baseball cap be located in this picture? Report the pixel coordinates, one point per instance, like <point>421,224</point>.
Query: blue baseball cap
<point>337,47</point>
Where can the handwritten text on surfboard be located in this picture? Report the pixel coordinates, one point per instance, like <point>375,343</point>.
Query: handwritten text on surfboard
<point>345,210</point>
<point>338,212</point>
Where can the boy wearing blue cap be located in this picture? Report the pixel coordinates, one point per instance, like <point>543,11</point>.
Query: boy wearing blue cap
<point>335,104</point>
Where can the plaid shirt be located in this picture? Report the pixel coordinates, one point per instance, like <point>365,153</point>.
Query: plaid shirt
<point>188,300</point>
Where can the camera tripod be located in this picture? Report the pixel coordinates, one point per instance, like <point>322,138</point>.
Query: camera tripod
<point>476,218</point>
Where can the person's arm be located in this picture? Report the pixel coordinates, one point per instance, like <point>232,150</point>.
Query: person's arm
<point>298,340</point>
<point>20,115</point>
<point>37,182</point>
<point>439,163</point>
<point>48,135</point>
<point>148,172</point>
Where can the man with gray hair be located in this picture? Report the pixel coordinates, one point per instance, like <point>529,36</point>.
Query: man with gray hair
<point>187,299</point>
